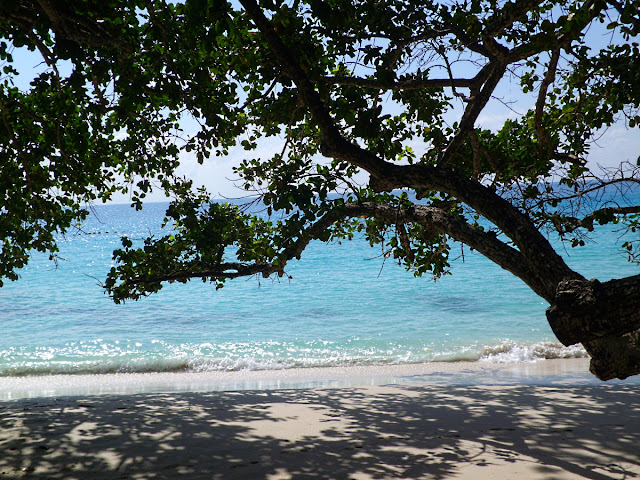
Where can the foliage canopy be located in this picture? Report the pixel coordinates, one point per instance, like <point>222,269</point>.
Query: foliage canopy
<point>377,106</point>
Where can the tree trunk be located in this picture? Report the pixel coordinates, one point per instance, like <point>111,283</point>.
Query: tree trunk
<point>605,318</point>
<point>615,356</point>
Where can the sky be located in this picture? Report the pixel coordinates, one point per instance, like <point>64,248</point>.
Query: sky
<point>616,144</point>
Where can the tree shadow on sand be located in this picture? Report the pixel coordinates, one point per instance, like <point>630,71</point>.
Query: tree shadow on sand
<point>381,433</point>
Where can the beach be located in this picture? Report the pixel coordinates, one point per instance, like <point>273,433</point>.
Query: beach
<point>414,426</point>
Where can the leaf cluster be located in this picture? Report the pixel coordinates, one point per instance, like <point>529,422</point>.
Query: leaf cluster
<point>354,91</point>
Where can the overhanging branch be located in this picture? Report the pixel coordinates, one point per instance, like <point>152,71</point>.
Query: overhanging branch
<point>569,224</point>
<point>386,176</point>
<point>484,242</point>
<point>331,136</point>
<point>430,217</point>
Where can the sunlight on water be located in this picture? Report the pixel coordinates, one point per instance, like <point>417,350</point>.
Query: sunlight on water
<point>340,308</point>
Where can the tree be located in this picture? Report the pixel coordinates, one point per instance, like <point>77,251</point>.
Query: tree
<point>362,95</point>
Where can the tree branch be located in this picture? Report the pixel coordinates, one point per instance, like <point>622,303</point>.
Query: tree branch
<point>386,176</point>
<point>569,224</point>
<point>544,142</point>
<point>597,187</point>
<point>331,136</point>
<point>486,243</point>
<point>508,15</point>
<point>65,24</point>
<point>412,84</point>
<point>542,258</point>
<point>430,217</point>
<point>561,41</point>
<point>473,110</point>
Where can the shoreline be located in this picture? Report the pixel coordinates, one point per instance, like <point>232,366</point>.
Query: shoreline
<point>571,371</point>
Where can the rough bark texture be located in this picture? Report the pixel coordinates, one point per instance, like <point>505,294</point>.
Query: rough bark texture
<point>615,356</point>
<point>605,318</point>
<point>587,310</point>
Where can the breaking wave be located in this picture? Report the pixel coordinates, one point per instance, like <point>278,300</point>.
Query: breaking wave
<point>98,357</point>
<point>510,352</point>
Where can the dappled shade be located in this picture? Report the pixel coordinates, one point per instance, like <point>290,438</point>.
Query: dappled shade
<point>381,432</point>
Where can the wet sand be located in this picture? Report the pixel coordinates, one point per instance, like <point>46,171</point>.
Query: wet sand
<point>573,371</point>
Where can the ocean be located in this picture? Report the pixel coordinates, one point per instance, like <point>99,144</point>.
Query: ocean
<point>343,306</point>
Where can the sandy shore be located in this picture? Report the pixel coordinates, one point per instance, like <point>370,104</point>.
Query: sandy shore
<point>411,429</point>
<point>430,432</point>
<point>574,371</point>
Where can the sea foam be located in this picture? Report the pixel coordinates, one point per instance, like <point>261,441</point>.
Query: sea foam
<point>105,357</point>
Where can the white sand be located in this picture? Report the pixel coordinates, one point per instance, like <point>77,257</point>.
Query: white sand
<point>573,371</point>
<point>413,429</point>
<point>430,432</point>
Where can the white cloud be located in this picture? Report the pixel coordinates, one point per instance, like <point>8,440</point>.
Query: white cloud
<point>614,146</point>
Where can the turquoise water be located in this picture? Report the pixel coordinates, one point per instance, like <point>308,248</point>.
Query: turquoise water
<point>343,306</point>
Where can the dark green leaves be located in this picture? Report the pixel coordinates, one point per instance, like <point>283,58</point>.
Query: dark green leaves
<point>128,90</point>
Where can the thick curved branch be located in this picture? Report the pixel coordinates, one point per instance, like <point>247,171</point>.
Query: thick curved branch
<point>484,242</point>
<point>331,136</point>
<point>539,254</point>
<point>542,258</point>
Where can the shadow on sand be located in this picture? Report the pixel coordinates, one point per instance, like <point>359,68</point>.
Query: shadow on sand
<point>369,433</point>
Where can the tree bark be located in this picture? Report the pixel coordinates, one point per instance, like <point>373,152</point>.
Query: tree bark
<point>605,318</point>
<point>584,310</point>
<point>615,356</point>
